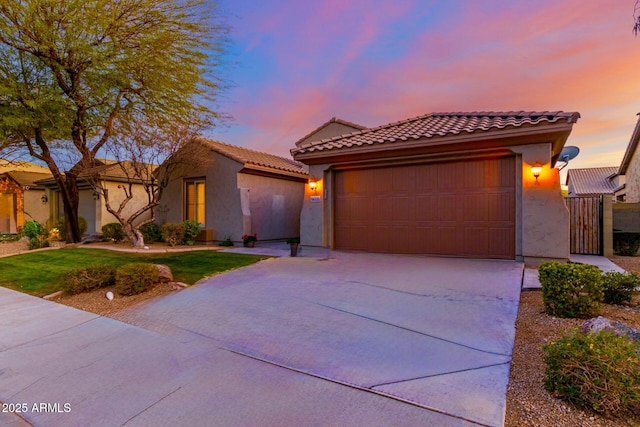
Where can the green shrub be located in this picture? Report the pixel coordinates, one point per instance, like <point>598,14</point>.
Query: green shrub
<point>618,287</point>
<point>571,290</point>
<point>226,242</point>
<point>37,234</point>
<point>137,277</point>
<point>33,229</point>
<point>626,243</point>
<point>151,232</point>
<point>191,231</point>
<point>113,231</point>
<point>173,234</point>
<point>89,278</point>
<point>38,242</point>
<point>600,371</point>
<point>82,224</point>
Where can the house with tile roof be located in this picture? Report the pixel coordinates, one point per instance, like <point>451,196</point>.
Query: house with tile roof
<point>586,182</point>
<point>112,176</point>
<point>240,191</point>
<point>22,199</point>
<point>465,184</point>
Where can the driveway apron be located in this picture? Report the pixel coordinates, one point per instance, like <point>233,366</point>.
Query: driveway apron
<point>348,339</point>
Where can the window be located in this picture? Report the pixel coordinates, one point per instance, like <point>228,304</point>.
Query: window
<point>194,200</point>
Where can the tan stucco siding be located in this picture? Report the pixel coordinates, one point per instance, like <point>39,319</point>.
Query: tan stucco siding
<point>116,196</point>
<point>544,217</point>
<point>315,215</point>
<point>34,209</point>
<point>274,205</point>
<point>632,180</point>
<point>223,211</point>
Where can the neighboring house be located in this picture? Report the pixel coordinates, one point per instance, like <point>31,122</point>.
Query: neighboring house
<point>629,191</point>
<point>240,192</point>
<point>454,184</point>
<point>21,199</point>
<point>329,129</point>
<point>593,181</point>
<point>92,206</point>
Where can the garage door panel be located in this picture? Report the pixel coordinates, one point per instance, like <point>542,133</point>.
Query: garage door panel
<point>501,244</point>
<point>460,208</point>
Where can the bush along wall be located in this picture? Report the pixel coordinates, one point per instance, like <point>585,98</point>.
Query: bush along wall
<point>571,290</point>
<point>626,243</point>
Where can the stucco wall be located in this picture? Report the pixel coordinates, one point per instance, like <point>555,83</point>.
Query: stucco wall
<point>632,180</point>
<point>116,196</point>
<point>544,224</point>
<point>274,205</point>
<point>314,225</point>
<point>34,209</point>
<point>223,209</point>
<point>271,206</point>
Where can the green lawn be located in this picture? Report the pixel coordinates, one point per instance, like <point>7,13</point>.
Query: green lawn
<point>39,273</point>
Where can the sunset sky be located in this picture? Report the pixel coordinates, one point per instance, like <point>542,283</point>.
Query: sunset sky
<point>296,64</point>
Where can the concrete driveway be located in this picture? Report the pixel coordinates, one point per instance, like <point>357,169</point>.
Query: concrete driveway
<point>344,340</point>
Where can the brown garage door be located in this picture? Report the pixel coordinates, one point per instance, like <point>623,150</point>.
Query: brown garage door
<point>462,208</point>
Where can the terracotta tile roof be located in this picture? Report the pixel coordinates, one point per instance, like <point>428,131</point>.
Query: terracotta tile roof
<point>250,158</point>
<point>592,181</point>
<point>439,125</point>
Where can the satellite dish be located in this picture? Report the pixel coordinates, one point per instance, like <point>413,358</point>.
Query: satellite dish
<point>569,153</point>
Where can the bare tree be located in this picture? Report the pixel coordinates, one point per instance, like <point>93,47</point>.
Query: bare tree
<point>636,17</point>
<point>147,158</point>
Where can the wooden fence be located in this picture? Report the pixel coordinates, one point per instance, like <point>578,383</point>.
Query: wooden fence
<point>585,217</point>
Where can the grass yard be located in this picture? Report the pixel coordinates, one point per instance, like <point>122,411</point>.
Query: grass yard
<point>39,273</point>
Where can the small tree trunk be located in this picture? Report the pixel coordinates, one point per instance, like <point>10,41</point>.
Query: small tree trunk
<point>136,237</point>
<point>70,201</point>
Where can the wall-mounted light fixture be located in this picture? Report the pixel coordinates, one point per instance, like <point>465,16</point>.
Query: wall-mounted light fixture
<point>535,170</point>
<point>95,195</point>
<point>313,185</point>
<point>44,199</point>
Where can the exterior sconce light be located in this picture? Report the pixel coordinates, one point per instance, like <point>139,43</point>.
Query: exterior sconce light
<point>535,170</point>
<point>44,199</point>
<point>96,196</point>
<point>313,185</point>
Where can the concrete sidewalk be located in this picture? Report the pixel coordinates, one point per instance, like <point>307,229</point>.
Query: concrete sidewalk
<point>340,339</point>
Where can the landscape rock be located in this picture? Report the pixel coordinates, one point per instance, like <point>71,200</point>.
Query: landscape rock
<point>600,323</point>
<point>165,273</point>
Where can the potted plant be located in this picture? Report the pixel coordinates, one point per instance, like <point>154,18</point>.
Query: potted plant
<point>250,240</point>
<point>293,242</point>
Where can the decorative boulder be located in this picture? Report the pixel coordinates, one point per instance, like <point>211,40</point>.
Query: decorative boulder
<point>600,323</point>
<point>165,273</point>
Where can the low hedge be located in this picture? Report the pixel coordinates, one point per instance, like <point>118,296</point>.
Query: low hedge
<point>88,278</point>
<point>137,277</point>
<point>599,371</point>
<point>571,290</point>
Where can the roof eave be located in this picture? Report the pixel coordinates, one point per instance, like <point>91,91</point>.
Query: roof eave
<point>631,148</point>
<point>554,133</point>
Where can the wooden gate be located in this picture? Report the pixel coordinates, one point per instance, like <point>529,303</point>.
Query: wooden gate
<point>585,217</point>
